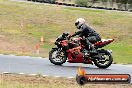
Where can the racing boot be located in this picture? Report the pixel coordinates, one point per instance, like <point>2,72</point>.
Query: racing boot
<point>92,50</point>
<point>86,54</point>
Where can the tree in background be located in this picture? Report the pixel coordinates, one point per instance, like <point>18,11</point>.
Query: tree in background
<point>111,2</point>
<point>129,1</point>
<point>118,2</point>
<point>94,1</point>
<point>121,4</point>
<point>104,3</point>
<point>129,5</point>
<point>124,3</point>
<point>83,3</point>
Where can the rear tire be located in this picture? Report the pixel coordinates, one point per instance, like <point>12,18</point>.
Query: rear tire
<point>110,60</point>
<point>62,58</point>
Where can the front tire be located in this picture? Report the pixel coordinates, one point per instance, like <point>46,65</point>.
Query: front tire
<point>57,57</point>
<point>105,56</point>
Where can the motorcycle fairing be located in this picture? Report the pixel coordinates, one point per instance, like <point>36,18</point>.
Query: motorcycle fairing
<point>76,56</point>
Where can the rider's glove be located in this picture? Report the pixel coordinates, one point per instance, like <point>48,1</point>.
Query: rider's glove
<point>68,37</point>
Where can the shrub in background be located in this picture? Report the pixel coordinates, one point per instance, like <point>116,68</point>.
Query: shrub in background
<point>49,1</point>
<point>82,3</point>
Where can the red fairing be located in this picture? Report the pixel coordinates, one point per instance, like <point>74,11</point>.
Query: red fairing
<point>76,58</point>
<point>64,43</point>
<point>79,38</point>
<point>73,57</point>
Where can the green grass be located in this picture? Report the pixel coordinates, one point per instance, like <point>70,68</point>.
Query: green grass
<point>26,22</point>
<point>122,53</point>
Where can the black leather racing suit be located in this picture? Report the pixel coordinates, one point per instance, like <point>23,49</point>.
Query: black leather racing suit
<point>91,36</point>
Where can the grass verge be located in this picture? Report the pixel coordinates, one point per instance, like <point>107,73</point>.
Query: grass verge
<point>24,81</point>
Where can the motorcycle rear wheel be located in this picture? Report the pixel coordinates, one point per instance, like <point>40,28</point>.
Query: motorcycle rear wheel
<point>107,56</point>
<point>57,57</point>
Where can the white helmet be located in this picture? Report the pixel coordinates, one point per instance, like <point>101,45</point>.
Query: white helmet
<point>79,22</point>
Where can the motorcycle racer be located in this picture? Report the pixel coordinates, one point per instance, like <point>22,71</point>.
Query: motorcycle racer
<point>89,35</point>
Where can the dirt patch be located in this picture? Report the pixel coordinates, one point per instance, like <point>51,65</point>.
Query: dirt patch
<point>7,45</point>
<point>21,46</point>
<point>52,40</point>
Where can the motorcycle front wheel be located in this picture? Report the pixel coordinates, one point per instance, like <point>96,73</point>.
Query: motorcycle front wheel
<point>57,57</point>
<point>105,59</point>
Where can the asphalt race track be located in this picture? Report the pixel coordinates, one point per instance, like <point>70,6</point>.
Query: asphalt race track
<point>37,65</point>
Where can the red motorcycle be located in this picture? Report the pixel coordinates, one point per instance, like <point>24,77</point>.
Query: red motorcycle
<point>72,51</point>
